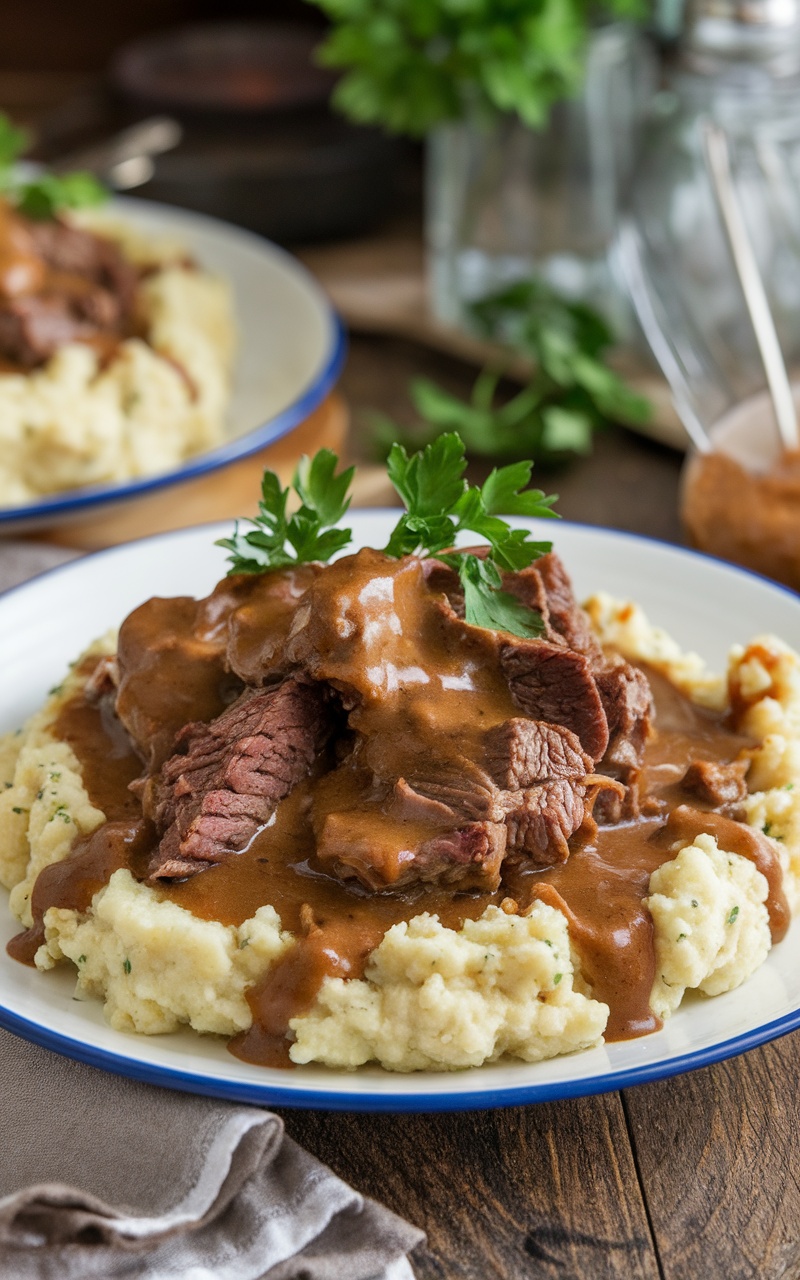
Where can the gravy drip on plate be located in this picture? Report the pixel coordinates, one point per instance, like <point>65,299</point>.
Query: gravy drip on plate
<point>433,691</point>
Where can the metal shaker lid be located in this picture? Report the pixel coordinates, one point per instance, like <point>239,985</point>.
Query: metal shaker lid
<point>764,33</point>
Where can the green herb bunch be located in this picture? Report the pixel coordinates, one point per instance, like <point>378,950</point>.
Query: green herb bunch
<point>45,194</point>
<point>415,64</point>
<point>570,393</point>
<point>439,506</point>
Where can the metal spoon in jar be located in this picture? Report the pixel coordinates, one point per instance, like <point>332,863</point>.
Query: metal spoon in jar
<point>715,142</point>
<point>628,260</point>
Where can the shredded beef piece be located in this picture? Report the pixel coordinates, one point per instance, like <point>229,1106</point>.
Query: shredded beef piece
<point>628,703</point>
<point>521,752</point>
<point>77,287</point>
<point>468,858</point>
<point>550,682</point>
<point>543,819</point>
<point>227,777</point>
<point>722,786</point>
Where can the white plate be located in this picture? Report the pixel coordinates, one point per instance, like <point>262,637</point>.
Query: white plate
<point>291,347</point>
<point>705,604</point>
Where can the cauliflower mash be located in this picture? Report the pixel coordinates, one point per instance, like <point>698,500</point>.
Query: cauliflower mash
<point>431,997</point>
<point>91,412</point>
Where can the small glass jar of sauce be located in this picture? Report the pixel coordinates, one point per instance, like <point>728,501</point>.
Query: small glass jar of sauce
<point>741,501</point>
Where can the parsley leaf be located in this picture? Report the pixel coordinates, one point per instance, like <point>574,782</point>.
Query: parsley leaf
<point>309,531</point>
<point>440,505</point>
<point>45,196</point>
<point>571,391</point>
<point>486,604</point>
<point>413,64</point>
<point>13,142</point>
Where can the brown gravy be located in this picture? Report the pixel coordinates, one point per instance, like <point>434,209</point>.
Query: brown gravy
<point>601,887</point>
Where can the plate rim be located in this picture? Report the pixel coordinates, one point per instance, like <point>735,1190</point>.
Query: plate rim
<point>75,501</point>
<point>422,1099</point>
<point>274,1095</point>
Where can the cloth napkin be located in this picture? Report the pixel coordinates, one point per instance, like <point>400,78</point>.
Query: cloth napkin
<point>103,1177</point>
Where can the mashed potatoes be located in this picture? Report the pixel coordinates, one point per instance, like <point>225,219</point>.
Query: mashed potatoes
<point>432,998</point>
<point>160,399</point>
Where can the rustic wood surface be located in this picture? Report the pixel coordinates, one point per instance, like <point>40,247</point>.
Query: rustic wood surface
<point>692,1178</point>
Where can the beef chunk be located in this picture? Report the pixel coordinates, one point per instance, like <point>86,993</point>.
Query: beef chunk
<point>467,858</point>
<point>722,786</point>
<point>545,586</point>
<point>74,287</point>
<point>74,251</point>
<point>628,703</point>
<point>227,777</point>
<point>33,328</point>
<point>171,672</point>
<point>541,819</point>
<point>258,628</point>
<point>550,682</point>
<point>521,752</point>
<point>462,790</point>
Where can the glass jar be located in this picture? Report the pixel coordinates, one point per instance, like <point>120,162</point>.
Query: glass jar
<point>505,202</point>
<point>741,500</point>
<point>740,69</point>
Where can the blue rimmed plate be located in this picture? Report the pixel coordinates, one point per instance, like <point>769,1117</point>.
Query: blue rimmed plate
<point>705,604</point>
<point>291,347</point>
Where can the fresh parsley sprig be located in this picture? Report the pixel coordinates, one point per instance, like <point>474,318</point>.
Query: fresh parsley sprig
<point>571,391</point>
<point>411,65</point>
<point>440,505</point>
<point>278,540</point>
<point>44,195</point>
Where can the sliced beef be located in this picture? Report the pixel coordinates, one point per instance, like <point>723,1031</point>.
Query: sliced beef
<point>227,777</point>
<point>75,251</point>
<point>421,791</point>
<point>550,682</point>
<point>69,285</point>
<point>541,819</point>
<point>720,786</point>
<point>520,753</point>
<point>628,702</point>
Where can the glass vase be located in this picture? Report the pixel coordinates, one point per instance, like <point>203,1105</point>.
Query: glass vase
<point>507,202</point>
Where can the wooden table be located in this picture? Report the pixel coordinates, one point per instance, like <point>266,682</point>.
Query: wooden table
<point>691,1178</point>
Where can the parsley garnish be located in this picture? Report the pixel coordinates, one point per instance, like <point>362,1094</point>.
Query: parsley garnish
<point>440,505</point>
<point>734,913</point>
<point>309,532</point>
<point>46,194</point>
<point>411,66</point>
<point>571,391</point>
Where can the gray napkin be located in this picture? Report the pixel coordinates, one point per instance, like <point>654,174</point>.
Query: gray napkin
<point>103,1177</point>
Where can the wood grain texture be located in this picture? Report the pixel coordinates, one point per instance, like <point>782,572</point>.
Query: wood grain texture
<point>548,1191</point>
<point>719,1159</point>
